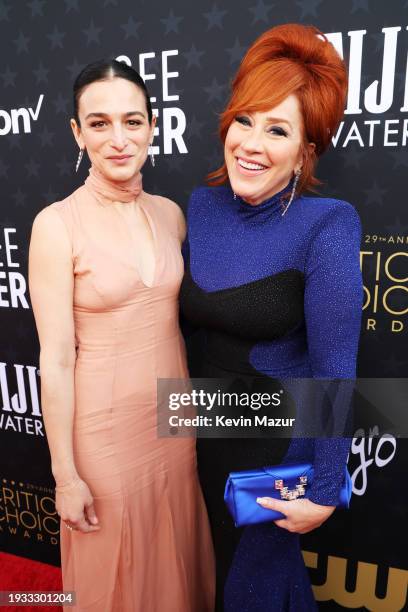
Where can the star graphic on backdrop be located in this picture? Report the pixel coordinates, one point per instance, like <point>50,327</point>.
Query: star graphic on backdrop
<point>260,11</point>
<point>21,42</point>
<point>309,7</point>
<point>214,17</point>
<point>359,4</point>
<point>65,167</point>
<point>193,57</point>
<point>131,27</point>
<point>56,38</point>
<point>19,198</point>
<point>375,195</point>
<point>41,74</point>
<point>400,158</point>
<point>352,157</point>
<point>172,23</point>
<point>8,77</point>
<point>71,5</point>
<point>215,91</point>
<point>92,33</point>
<point>46,137</point>
<point>50,196</point>
<point>397,228</point>
<point>32,168</point>
<point>60,104</point>
<point>3,168</point>
<point>236,52</point>
<point>4,11</point>
<point>37,7</point>
<point>75,68</point>
<point>194,127</point>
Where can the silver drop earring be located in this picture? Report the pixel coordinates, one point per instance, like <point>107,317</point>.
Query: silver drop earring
<point>80,156</point>
<point>292,195</point>
<point>235,195</point>
<point>151,154</point>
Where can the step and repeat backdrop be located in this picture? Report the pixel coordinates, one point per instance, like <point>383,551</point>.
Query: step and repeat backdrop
<point>187,53</point>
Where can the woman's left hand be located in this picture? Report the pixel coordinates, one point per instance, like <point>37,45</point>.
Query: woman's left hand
<point>302,515</point>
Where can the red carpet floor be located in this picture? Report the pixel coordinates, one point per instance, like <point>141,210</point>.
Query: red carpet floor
<point>20,574</point>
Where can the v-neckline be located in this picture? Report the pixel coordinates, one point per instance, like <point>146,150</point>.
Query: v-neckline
<point>152,228</point>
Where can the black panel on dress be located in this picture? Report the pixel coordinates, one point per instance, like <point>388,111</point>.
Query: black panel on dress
<point>265,309</point>
<point>234,320</point>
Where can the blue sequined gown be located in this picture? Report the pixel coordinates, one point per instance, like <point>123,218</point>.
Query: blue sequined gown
<point>278,296</point>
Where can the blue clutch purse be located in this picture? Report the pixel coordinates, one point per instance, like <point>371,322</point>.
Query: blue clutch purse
<point>287,481</point>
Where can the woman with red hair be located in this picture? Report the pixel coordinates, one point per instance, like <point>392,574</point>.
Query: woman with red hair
<point>273,277</point>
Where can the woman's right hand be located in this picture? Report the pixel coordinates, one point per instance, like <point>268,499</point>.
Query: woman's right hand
<point>74,504</point>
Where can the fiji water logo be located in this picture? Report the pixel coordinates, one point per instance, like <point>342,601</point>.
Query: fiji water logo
<point>19,119</point>
<point>20,409</point>
<point>379,96</point>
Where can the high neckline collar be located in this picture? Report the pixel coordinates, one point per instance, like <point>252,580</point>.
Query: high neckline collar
<point>109,191</point>
<point>275,203</point>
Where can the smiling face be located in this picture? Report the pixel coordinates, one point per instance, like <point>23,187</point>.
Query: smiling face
<point>263,150</point>
<point>114,127</point>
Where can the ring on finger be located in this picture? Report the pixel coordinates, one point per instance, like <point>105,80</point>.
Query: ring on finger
<point>69,527</point>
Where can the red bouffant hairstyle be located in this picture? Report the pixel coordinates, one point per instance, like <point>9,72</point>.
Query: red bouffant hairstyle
<point>290,59</point>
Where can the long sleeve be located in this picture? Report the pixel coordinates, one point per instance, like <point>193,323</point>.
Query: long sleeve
<point>333,303</point>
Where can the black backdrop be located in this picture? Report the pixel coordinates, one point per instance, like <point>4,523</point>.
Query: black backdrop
<point>188,53</point>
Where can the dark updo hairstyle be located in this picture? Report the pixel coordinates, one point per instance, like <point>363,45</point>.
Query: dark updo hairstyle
<point>105,70</point>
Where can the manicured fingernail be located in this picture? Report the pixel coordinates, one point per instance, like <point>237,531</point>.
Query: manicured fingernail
<point>260,499</point>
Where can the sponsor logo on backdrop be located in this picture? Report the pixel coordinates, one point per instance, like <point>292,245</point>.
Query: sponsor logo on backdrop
<point>363,596</point>
<point>379,97</point>
<point>371,449</point>
<point>19,120</point>
<point>27,511</point>
<point>159,70</point>
<point>13,285</point>
<point>20,409</point>
<point>385,274</point>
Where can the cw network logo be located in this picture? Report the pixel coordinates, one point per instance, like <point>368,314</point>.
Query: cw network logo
<point>364,595</point>
<point>16,118</point>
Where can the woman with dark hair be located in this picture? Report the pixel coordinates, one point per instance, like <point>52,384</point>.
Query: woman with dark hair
<point>105,271</point>
<point>273,277</point>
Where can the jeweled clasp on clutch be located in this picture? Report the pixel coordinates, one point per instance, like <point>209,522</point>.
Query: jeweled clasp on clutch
<point>290,494</point>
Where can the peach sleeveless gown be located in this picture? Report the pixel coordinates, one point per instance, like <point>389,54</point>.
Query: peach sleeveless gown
<point>153,551</point>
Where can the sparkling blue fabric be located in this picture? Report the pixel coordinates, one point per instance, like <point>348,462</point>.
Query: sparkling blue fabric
<point>230,243</point>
